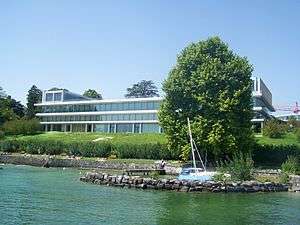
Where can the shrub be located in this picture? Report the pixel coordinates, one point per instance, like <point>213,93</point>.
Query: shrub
<point>2,134</point>
<point>240,167</point>
<point>297,133</point>
<point>11,145</point>
<point>274,129</point>
<point>284,178</point>
<point>290,166</point>
<point>89,149</point>
<point>25,127</point>
<point>142,151</point>
<point>273,155</point>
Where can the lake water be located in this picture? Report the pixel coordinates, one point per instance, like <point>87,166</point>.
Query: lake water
<point>30,195</point>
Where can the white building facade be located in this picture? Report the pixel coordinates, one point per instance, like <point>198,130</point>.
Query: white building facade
<point>65,111</point>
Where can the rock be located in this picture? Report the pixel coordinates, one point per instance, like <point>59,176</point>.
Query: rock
<point>184,189</point>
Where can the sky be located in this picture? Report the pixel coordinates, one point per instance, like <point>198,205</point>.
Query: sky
<point>109,45</point>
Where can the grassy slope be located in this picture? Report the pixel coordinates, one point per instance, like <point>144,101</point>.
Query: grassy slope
<point>70,137</point>
<point>288,139</point>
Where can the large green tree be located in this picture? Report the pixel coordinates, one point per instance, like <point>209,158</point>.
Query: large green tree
<point>34,96</point>
<point>142,89</point>
<point>8,106</point>
<point>212,86</point>
<point>92,94</point>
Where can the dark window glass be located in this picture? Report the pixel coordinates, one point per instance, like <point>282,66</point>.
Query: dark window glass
<point>49,97</point>
<point>57,96</point>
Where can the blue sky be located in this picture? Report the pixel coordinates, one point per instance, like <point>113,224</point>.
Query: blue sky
<point>109,45</point>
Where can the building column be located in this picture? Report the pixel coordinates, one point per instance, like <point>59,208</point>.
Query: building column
<point>71,127</point>
<point>92,127</point>
<point>132,128</point>
<point>140,128</point>
<point>46,127</point>
<point>86,127</point>
<point>261,127</point>
<point>115,128</point>
<point>51,127</point>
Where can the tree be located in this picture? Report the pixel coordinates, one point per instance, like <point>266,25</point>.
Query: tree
<point>275,128</point>
<point>16,106</point>
<point>212,86</point>
<point>92,94</point>
<point>2,93</point>
<point>7,107</point>
<point>142,89</point>
<point>34,96</point>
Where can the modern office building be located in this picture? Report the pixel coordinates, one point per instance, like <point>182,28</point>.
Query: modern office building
<point>262,103</point>
<point>62,110</point>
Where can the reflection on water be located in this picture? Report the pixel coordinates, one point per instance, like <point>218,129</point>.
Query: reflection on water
<point>30,195</point>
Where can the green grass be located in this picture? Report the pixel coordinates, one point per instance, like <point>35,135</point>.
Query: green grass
<point>89,137</point>
<point>288,139</point>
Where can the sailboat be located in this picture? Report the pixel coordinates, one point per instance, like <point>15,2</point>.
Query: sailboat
<point>195,173</point>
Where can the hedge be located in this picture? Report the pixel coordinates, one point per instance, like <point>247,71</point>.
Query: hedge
<point>273,155</point>
<point>89,149</point>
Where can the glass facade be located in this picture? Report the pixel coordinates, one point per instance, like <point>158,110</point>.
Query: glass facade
<point>49,97</point>
<point>107,117</point>
<point>57,96</point>
<point>100,107</point>
<point>100,119</point>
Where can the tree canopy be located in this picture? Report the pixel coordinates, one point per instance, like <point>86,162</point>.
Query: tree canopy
<point>34,96</point>
<point>10,109</point>
<point>142,89</point>
<point>212,86</point>
<point>92,94</point>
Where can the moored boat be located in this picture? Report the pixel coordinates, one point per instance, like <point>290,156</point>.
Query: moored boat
<point>195,173</point>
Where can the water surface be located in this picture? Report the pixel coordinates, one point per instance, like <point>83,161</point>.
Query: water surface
<point>32,195</point>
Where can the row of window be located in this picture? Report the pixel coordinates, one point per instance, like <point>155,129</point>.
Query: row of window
<point>107,128</point>
<point>53,97</point>
<point>108,117</point>
<point>123,106</point>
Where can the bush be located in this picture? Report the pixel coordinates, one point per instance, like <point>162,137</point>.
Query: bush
<point>240,167</point>
<point>297,133</point>
<point>89,149</point>
<point>9,146</point>
<point>2,134</point>
<point>274,129</point>
<point>142,151</point>
<point>24,127</point>
<point>290,166</point>
<point>273,155</point>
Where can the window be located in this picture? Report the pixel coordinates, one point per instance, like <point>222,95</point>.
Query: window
<point>136,128</point>
<point>131,106</point>
<point>150,128</point>
<point>49,97</point>
<point>124,128</point>
<point>101,127</point>
<point>57,96</point>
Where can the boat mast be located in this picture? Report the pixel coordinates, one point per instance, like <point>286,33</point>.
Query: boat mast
<point>191,142</point>
<point>193,145</point>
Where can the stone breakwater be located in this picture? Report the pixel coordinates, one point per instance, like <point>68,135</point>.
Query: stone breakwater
<point>180,186</point>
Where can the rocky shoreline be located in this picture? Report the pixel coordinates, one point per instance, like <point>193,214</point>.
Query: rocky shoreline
<point>181,186</point>
<point>76,162</point>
